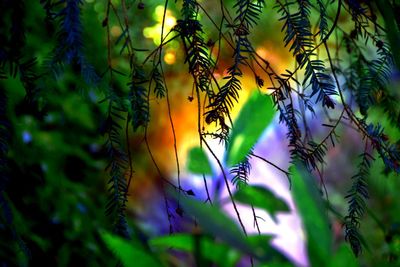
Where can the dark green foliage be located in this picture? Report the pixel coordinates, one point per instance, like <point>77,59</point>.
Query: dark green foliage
<point>69,49</point>
<point>247,13</point>
<point>373,79</point>
<point>323,20</point>
<point>196,50</point>
<point>356,197</point>
<point>288,117</point>
<point>6,217</point>
<point>241,172</point>
<point>198,162</point>
<point>159,87</point>
<point>310,205</point>
<point>297,29</point>
<point>138,97</point>
<point>260,197</point>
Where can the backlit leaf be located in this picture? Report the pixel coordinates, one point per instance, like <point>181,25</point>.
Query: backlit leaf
<point>315,221</point>
<point>198,162</point>
<point>262,198</point>
<point>256,114</point>
<point>129,254</point>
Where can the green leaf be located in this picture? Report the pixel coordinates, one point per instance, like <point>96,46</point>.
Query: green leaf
<point>219,253</point>
<point>130,255</point>
<point>344,257</point>
<point>176,241</point>
<point>215,222</point>
<point>264,251</point>
<point>315,221</point>
<point>198,162</point>
<point>262,198</point>
<point>393,31</point>
<point>256,114</point>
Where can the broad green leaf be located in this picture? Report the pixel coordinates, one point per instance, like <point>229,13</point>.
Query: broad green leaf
<point>219,253</point>
<point>130,255</point>
<point>262,198</point>
<point>177,241</point>
<point>215,222</point>
<point>263,250</point>
<point>256,114</point>
<point>344,257</point>
<point>198,162</point>
<point>309,204</point>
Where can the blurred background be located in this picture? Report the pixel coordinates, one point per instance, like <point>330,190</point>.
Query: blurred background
<point>58,184</point>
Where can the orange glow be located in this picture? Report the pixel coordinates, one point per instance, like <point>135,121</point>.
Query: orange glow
<point>262,52</point>
<point>170,58</point>
<point>115,31</point>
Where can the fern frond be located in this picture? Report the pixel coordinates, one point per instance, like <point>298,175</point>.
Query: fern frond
<point>138,97</point>
<point>70,46</point>
<point>159,88</point>
<point>197,54</point>
<point>359,15</point>
<point>247,13</point>
<point>323,21</point>
<point>189,9</point>
<point>316,153</point>
<point>297,29</point>
<point>241,172</point>
<point>389,153</point>
<point>287,114</point>
<point>321,83</point>
<point>118,162</point>
<point>69,36</point>
<point>356,197</point>
<point>374,78</point>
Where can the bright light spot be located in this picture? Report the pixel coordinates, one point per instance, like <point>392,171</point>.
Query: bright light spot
<point>154,32</point>
<point>115,31</point>
<point>170,58</point>
<point>147,32</point>
<point>170,22</point>
<point>89,1</point>
<point>237,143</point>
<point>26,137</point>
<point>262,52</point>
<point>159,13</point>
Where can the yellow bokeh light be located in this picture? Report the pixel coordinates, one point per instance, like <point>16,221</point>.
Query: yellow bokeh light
<point>154,32</point>
<point>148,32</point>
<point>170,22</point>
<point>159,13</point>
<point>115,31</point>
<point>170,58</point>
